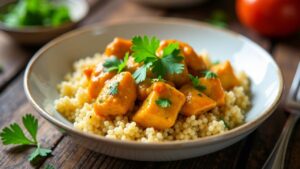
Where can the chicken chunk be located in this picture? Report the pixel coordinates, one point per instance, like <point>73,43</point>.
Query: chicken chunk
<point>196,101</point>
<point>97,78</point>
<point>214,89</point>
<point>226,74</point>
<point>118,47</point>
<point>117,96</point>
<point>161,108</point>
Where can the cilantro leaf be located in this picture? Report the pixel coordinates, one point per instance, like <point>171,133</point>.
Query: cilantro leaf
<point>39,152</point>
<point>14,135</point>
<point>225,123</point>
<point>115,64</point>
<point>140,74</point>
<point>31,124</point>
<point>111,64</point>
<point>164,103</point>
<point>144,48</point>
<point>158,79</point>
<point>113,89</point>
<point>196,83</point>
<point>172,62</point>
<point>210,75</point>
<point>123,63</point>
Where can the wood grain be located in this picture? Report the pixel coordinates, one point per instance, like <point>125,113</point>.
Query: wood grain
<point>13,58</point>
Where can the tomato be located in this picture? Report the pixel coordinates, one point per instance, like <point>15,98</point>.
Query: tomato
<point>275,18</point>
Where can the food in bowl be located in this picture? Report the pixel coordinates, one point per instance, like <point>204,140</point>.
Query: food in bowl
<point>35,13</point>
<point>149,90</point>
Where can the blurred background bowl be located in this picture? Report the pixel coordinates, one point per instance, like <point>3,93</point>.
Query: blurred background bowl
<point>38,35</point>
<point>169,3</point>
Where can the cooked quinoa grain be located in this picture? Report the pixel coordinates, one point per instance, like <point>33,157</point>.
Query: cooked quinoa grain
<point>75,105</point>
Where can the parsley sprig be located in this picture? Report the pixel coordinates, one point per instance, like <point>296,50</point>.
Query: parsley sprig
<point>13,134</point>
<point>144,51</point>
<point>113,89</point>
<point>164,103</point>
<point>196,83</point>
<point>209,74</point>
<point>115,64</point>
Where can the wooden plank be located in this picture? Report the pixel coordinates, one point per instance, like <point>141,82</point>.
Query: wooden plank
<point>13,106</point>
<point>287,55</point>
<point>13,58</point>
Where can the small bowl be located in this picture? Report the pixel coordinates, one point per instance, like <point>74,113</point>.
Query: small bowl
<point>51,63</point>
<point>37,35</point>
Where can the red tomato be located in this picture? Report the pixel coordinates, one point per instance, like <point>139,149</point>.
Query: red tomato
<point>274,18</point>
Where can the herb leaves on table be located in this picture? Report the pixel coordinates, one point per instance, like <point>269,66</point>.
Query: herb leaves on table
<point>13,134</point>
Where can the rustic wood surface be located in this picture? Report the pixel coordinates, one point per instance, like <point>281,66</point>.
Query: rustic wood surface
<point>249,153</point>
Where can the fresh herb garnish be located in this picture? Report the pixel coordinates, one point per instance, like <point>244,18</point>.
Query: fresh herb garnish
<point>219,19</point>
<point>113,89</point>
<point>144,51</point>
<point>114,64</point>
<point>158,79</point>
<point>225,123</point>
<point>14,134</point>
<point>210,75</point>
<point>164,103</point>
<point>196,83</point>
<point>36,13</point>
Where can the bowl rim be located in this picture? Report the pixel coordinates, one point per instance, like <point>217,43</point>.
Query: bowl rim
<point>235,132</point>
<point>41,29</point>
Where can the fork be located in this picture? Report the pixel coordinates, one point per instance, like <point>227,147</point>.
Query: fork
<point>277,157</point>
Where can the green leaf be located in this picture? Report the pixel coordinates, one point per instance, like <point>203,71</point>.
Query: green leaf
<point>170,49</point>
<point>225,123</point>
<point>172,62</point>
<point>158,79</point>
<point>123,63</point>
<point>144,48</point>
<point>14,135</point>
<point>164,103</point>
<point>140,74</point>
<point>115,64</point>
<point>39,152</point>
<point>113,89</point>
<point>31,124</point>
<point>196,83</point>
<point>210,75</point>
<point>111,64</point>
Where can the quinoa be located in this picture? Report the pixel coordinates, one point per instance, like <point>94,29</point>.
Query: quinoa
<point>74,104</point>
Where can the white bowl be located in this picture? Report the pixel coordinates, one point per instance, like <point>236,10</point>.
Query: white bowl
<point>49,65</point>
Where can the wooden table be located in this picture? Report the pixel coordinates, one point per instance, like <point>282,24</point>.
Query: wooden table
<point>249,153</point>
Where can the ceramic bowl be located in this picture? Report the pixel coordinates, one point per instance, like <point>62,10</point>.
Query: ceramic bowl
<point>50,64</point>
<point>37,35</point>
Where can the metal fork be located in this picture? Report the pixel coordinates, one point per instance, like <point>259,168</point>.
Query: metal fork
<point>277,157</point>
